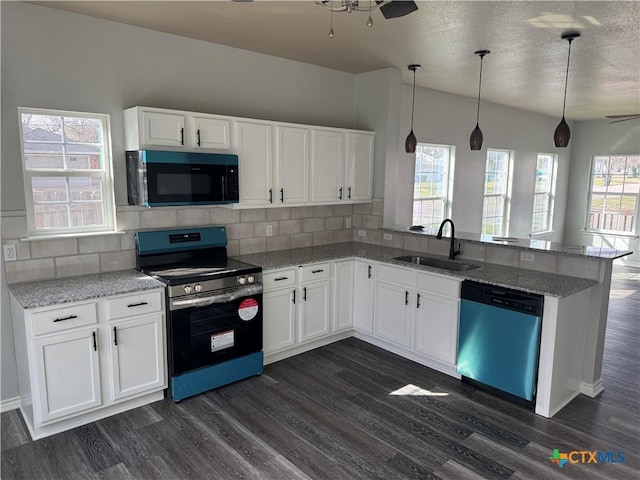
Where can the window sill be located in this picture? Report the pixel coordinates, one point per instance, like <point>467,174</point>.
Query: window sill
<point>610,234</point>
<point>69,235</point>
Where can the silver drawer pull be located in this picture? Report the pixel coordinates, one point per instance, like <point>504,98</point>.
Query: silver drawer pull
<point>280,279</point>
<point>62,319</point>
<point>136,304</point>
<point>317,271</point>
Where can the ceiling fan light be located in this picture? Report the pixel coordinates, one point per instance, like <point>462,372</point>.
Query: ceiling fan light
<point>562,134</point>
<point>475,140</point>
<point>411,142</point>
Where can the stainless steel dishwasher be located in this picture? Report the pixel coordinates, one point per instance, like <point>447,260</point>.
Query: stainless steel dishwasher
<point>499,340</point>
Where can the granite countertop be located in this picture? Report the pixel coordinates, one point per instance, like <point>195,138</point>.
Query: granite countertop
<point>57,291</point>
<point>603,253</point>
<point>531,281</point>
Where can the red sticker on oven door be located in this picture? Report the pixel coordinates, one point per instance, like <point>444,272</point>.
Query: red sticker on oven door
<point>248,309</point>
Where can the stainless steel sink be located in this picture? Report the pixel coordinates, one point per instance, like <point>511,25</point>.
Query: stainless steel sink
<point>437,263</point>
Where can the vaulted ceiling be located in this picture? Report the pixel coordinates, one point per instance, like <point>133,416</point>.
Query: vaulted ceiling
<point>526,68</point>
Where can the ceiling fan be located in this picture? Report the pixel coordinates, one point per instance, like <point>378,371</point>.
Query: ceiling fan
<point>623,118</point>
<point>388,8</point>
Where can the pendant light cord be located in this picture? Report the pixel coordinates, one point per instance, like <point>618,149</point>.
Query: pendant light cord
<point>566,78</point>
<point>413,97</point>
<point>479,89</point>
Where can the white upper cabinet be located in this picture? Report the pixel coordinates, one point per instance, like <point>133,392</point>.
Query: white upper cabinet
<point>291,179</point>
<point>327,166</point>
<point>163,129</point>
<point>359,166</point>
<point>209,132</point>
<point>160,129</point>
<point>254,142</point>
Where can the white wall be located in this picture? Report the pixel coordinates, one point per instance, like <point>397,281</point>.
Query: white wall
<point>591,138</point>
<point>59,60</point>
<point>449,119</point>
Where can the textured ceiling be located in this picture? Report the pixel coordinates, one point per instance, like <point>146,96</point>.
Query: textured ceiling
<point>525,69</point>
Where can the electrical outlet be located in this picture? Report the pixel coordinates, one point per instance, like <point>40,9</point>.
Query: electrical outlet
<point>10,253</point>
<point>362,233</point>
<point>387,236</point>
<point>526,257</point>
<point>347,222</point>
<point>269,230</point>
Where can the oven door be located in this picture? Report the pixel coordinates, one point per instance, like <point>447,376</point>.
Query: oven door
<point>214,327</point>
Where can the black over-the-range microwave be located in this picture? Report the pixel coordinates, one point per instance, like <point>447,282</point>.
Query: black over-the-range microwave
<point>158,178</point>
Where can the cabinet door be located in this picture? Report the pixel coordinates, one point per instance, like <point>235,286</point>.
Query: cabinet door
<point>359,171</point>
<point>343,295</point>
<point>279,319</point>
<point>327,166</point>
<point>210,132</point>
<point>137,355</point>
<point>163,129</point>
<point>292,161</point>
<point>314,310</point>
<point>436,326</point>
<point>255,163</point>
<point>393,313</point>
<point>68,374</point>
<point>363,283</point>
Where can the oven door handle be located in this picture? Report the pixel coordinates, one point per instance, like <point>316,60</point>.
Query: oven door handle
<point>211,298</point>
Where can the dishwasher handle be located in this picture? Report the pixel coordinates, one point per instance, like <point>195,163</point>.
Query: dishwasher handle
<point>501,297</point>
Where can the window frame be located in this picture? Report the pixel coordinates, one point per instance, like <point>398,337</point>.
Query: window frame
<point>447,197</point>
<point>506,196</point>
<point>551,194</point>
<point>622,194</point>
<point>105,174</point>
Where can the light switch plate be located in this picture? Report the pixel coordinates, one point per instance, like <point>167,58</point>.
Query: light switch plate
<point>269,230</point>
<point>387,236</point>
<point>362,233</point>
<point>347,222</point>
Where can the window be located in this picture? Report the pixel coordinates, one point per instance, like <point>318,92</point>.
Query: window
<point>432,184</point>
<point>544,192</point>
<point>497,186</point>
<point>614,193</point>
<point>66,159</point>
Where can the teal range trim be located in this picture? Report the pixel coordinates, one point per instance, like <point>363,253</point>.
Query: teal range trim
<point>159,241</point>
<point>177,204</point>
<point>207,378</point>
<point>158,156</point>
<point>499,347</point>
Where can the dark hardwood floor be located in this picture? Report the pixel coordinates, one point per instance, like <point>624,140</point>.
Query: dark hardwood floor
<point>351,410</point>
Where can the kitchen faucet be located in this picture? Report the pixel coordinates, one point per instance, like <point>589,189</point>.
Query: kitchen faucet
<point>452,249</point>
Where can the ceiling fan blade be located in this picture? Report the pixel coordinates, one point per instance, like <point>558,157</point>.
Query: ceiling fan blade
<point>624,116</point>
<point>397,9</point>
<point>634,117</point>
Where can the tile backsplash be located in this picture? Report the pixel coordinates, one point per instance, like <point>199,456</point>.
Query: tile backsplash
<point>292,227</point>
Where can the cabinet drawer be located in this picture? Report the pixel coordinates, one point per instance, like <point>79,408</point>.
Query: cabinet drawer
<point>318,271</point>
<point>131,305</point>
<point>440,285</point>
<point>398,275</point>
<point>58,319</point>
<point>279,279</point>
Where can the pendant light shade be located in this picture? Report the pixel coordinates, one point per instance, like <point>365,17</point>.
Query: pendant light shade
<point>411,142</point>
<point>562,134</point>
<point>475,141</point>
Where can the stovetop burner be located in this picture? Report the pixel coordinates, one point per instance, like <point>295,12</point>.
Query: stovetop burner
<point>177,274</point>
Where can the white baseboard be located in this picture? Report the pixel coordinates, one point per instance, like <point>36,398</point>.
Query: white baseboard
<point>592,390</point>
<point>9,404</point>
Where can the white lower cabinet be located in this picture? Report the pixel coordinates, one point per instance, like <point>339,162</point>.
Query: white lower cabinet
<point>343,295</point>
<point>363,295</point>
<point>314,310</point>
<point>67,366</point>
<point>136,354</point>
<point>70,370</point>
<point>392,321</point>
<point>279,320</point>
<point>436,326</point>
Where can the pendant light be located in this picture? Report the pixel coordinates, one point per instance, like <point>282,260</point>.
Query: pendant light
<point>562,134</point>
<point>411,142</point>
<point>331,20</point>
<point>475,141</point>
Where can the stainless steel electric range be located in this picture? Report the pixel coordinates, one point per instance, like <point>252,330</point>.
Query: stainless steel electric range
<point>214,308</point>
